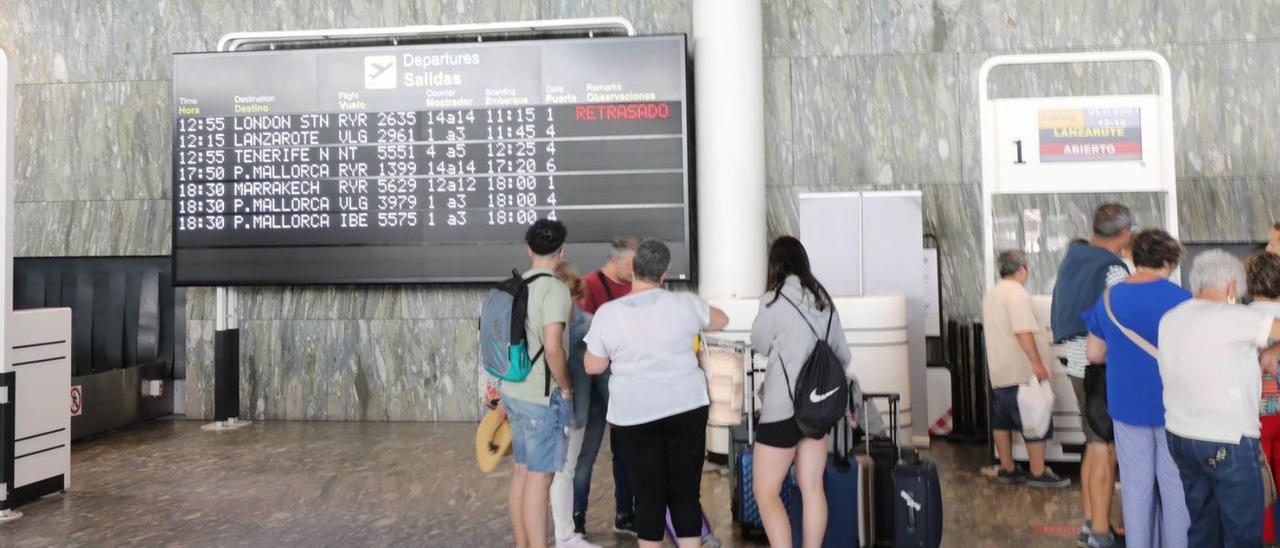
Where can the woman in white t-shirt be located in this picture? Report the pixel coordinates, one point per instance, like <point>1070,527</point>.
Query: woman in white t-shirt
<point>658,395</point>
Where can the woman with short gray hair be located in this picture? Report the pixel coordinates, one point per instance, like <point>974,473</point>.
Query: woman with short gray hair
<point>1209,363</point>
<point>658,395</point>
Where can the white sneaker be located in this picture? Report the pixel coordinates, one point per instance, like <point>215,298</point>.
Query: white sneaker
<point>576,541</point>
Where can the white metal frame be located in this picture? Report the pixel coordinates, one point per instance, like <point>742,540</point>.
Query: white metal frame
<point>7,109</point>
<point>236,40</point>
<point>988,127</point>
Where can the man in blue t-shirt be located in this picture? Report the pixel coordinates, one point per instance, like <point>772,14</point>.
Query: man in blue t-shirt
<point>1124,326</point>
<point>1086,271</point>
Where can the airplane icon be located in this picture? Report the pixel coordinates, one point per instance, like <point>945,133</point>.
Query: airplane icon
<point>380,72</point>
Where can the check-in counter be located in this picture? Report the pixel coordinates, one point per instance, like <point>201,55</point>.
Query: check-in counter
<point>35,400</point>
<point>876,329</point>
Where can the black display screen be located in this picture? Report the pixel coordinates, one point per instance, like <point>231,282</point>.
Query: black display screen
<point>425,163</point>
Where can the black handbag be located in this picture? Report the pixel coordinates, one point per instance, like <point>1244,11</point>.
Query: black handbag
<point>1095,396</point>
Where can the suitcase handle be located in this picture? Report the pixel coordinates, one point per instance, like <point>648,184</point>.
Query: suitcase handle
<point>894,399</point>
<point>749,399</point>
<point>843,450</point>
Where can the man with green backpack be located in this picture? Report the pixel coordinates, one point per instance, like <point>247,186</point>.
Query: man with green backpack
<point>524,342</point>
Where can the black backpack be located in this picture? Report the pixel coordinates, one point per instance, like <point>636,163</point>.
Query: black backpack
<point>821,391</point>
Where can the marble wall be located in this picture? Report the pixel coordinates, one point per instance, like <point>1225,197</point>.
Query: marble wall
<point>860,94</point>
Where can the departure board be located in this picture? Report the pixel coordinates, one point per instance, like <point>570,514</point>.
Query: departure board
<point>425,163</point>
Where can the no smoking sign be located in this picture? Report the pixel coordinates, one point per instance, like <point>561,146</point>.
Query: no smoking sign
<point>77,401</point>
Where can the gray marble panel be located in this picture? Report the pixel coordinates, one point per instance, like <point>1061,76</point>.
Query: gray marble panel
<point>259,15</point>
<point>778,135</point>
<point>951,213</point>
<point>201,303</point>
<point>782,211</point>
<point>970,143</point>
<point>461,302</point>
<point>358,370</point>
<point>803,28</point>
<point>372,302</point>
<point>415,12</point>
<point>199,351</point>
<point>361,302</point>
<point>1063,218</point>
<point>914,26</point>
<point>131,40</point>
<point>319,302</point>
<point>648,16</point>
<point>876,120</point>
<point>112,40</point>
<point>1227,210</point>
<point>298,370</point>
<point>1109,24</point>
<point>1221,20</point>
<point>431,366</point>
<point>95,228</point>
<point>1225,119</point>
<point>1146,22</point>
<point>96,141</point>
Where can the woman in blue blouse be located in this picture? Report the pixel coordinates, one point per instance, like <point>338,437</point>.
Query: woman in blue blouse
<point>1125,338</point>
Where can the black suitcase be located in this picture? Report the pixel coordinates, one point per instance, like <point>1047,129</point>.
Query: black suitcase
<point>884,453</point>
<point>918,508</point>
<point>913,513</point>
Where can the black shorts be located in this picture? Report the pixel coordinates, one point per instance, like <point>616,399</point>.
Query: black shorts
<point>1005,414</point>
<point>783,434</point>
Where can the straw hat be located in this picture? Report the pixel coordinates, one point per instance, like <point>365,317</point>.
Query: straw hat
<point>493,441</point>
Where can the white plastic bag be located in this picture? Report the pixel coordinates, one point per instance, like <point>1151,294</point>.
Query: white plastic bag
<point>1035,405</point>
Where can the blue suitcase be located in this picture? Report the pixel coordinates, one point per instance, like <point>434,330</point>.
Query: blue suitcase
<point>743,504</point>
<point>747,513</point>
<point>840,481</point>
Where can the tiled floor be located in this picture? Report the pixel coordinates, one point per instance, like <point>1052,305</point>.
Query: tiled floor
<point>168,483</point>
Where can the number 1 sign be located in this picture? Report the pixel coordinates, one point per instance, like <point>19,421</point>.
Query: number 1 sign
<point>1076,144</point>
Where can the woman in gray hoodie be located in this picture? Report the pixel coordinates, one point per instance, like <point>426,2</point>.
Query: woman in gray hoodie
<point>793,302</point>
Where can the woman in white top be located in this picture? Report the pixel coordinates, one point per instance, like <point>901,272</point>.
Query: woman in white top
<point>1209,364</point>
<point>658,394</point>
<point>794,309</point>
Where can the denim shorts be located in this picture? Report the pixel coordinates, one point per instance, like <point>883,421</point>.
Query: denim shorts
<point>537,433</point>
<point>1005,414</point>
